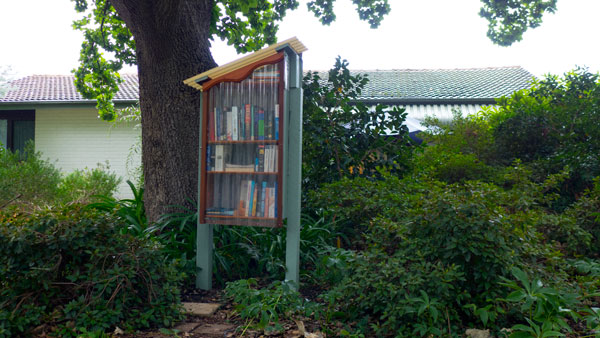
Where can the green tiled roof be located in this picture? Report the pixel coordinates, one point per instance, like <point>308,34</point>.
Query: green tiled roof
<point>472,84</point>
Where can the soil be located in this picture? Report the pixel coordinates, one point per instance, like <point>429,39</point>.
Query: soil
<point>223,323</point>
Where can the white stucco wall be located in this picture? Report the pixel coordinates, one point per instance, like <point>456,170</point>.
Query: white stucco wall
<point>75,138</point>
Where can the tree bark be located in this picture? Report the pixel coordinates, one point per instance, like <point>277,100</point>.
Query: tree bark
<point>172,44</point>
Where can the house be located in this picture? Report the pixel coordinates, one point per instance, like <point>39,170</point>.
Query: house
<point>65,126</point>
<point>437,92</point>
<point>67,130</point>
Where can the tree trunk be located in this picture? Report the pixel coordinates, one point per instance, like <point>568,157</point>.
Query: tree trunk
<point>172,44</point>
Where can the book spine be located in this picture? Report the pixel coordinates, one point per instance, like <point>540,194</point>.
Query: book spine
<point>254,199</point>
<point>269,126</point>
<point>276,122</point>
<point>272,202</point>
<point>261,158</point>
<point>263,195</point>
<point>218,124</point>
<point>255,125</point>
<point>261,124</point>
<point>219,160</point>
<point>267,155</point>
<point>249,197</point>
<point>229,126</point>
<point>243,202</point>
<point>208,158</point>
<point>247,123</point>
<point>234,124</point>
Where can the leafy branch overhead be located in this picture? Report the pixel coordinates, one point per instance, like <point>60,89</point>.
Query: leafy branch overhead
<point>509,19</point>
<point>248,26</point>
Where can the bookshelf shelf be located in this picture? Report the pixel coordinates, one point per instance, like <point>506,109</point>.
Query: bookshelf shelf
<point>240,173</point>
<point>245,142</point>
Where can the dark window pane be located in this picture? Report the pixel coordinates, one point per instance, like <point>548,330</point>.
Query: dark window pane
<point>3,133</point>
<point>23,131</point>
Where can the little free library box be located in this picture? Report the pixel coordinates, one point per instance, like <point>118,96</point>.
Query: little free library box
<point>251,142</point>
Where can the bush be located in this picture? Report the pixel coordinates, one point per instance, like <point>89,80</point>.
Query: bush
<point>346,138</point>
<point>586,212</point>
<point>28,181</point>
<point>71,270</point>
<point>26,178</point>
<point>433,250</point>
<point>553,125</point>
<point>80,185</point>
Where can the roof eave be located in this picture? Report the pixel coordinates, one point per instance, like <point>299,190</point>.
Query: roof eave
<point>412,101</point>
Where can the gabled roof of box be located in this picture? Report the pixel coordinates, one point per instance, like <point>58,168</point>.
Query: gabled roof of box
<point>61,89</point>
<point>214,73</point>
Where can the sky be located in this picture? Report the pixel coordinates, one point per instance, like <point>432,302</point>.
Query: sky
<point>36,38</point>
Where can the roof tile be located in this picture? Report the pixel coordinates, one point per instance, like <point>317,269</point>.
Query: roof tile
<point>396,84</point>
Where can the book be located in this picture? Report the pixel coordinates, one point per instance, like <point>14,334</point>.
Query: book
<point>272,202</point>
<point>254,199</point>
<point>249,197</point>
<point>276,122</point>
<point>263,195</point>
<point>261,124</point>
<point>260,159</point>
<point>220,211</point>
<point>243,202</point>
<point>219,157</point>
<point>246,168</point>
<point>209,159</point>
<point>228,120</point>
<point>234,124</point>
<point>247,123</point>
<point>255,124</point>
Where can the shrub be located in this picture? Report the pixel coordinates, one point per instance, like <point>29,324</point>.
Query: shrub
<point>586,212</point>
<point>552,125</point>
<point>26,178</point>
<point>71,270</point>
<point>345,138</point>
<point>81,185</point>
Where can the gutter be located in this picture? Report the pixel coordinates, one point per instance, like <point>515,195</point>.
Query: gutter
<point>413,101</point>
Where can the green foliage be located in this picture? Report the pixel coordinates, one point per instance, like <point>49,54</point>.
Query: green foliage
<point>382,293</point>
<point>81,185</point>
<point>344,138</point>
<point>72,270</point>
<point>546,309</point>
<point>246,25</point>
<point>130,212</point>
<point>264,308</point>
<point>363,200</point>
<point>28,181</point>
<point>242,252</point>
<point>586,213</point>
<point>26,177</point>
<point>553,125</point>
<point>508,20</point>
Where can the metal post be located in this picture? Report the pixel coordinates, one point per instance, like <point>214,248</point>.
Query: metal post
<point>204,232</point>
<point>294,169</point>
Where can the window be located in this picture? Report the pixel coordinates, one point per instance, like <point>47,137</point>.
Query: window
<point>17,127</point>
